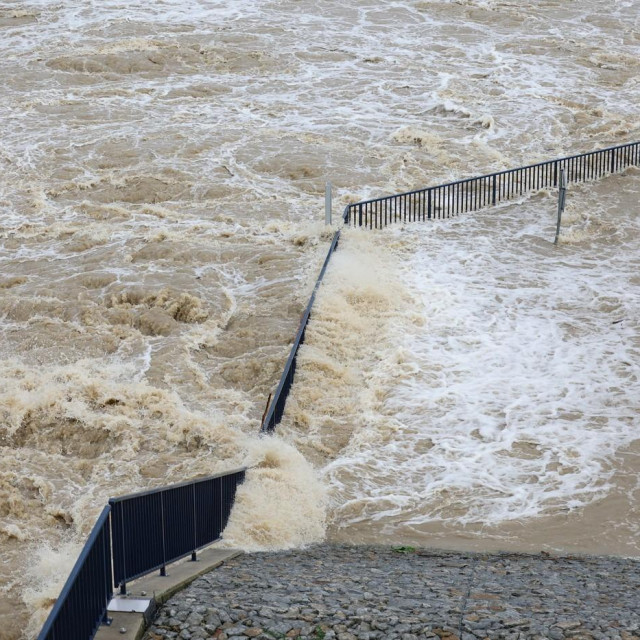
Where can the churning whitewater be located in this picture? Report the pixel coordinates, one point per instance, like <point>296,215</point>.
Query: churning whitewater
<point>464,383</point>
<point>478,388</point>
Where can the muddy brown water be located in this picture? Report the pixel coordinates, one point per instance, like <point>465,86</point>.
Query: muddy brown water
<point>162,172</point>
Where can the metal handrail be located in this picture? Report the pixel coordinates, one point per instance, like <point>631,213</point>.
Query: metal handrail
<point>273,416</point>
<point>177,485</point>
<point>421,204</point>
<point>472,194</point>
<point>81,607</point>
<point>151,529</point>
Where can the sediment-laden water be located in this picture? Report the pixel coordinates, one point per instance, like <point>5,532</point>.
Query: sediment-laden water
<point>162,167</point>
<point>478,387</point>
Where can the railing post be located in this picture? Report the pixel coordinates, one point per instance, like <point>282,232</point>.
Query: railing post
<point>562,194</point>
<point>360,215</point>
<point>494,188</point>
<point>106,563</point>
<point>195,526</point>
<point>327,203</point>
<point>163,569</point>
<point>555,173</point>
<point>123,584</point>
<point>429,204</point>
<point>613,160</point>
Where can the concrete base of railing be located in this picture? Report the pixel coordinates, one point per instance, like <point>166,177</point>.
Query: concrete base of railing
<point>131,623</point>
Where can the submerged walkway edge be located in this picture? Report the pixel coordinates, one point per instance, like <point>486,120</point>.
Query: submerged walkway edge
<point>365,593</point>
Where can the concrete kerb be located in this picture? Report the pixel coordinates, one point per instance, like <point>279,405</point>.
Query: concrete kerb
<point>131,614</point>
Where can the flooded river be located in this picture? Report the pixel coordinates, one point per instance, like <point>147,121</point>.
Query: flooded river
<point>162,170</point>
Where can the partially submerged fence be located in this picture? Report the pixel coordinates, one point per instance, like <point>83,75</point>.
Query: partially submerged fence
<point>143,532</point>
<point>276,408</point>
<point>443,201</point>
<point>472,194</point>
<point>135,535</point>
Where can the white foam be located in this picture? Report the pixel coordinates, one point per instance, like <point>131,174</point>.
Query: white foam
<point>514,397</point>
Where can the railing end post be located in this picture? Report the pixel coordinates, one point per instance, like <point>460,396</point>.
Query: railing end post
<point>327,204</point>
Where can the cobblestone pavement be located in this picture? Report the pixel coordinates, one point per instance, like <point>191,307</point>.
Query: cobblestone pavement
<point>365,593</point>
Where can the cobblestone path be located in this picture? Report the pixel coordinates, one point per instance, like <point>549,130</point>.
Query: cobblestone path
<point>365,593</point>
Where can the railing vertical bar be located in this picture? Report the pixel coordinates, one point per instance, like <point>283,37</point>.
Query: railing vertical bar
<point>601,164</point>
<point>600,159</point>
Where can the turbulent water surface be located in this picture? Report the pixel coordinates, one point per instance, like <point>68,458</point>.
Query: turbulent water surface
<point>464,383</point>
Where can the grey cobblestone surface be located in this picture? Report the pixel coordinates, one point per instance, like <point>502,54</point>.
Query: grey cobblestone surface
<point>365,593</point>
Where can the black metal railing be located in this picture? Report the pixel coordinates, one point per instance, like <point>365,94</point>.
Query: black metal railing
<point>82,604</point>
<point>472,194</point>
<point>273,416</point>
<point>135,535</point>
<point>151,529</point>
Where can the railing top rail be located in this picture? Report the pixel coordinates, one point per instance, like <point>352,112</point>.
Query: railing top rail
<point>178,485</point>
<point>77,567</point>
<point>490,175</point>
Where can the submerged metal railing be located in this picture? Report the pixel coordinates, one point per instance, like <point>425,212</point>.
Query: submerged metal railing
<point>273,415</point>
<point>443,201</point>
<point>82,604</point>
<point>135,535</point>
<point>472,194</point>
